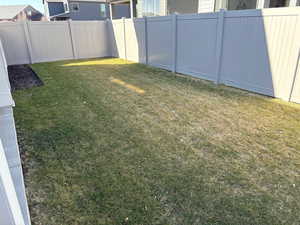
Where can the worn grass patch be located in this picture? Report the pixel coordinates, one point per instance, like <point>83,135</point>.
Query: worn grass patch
<point>112,142</point>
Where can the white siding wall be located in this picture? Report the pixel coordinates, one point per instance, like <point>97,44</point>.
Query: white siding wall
<point>206,6</point>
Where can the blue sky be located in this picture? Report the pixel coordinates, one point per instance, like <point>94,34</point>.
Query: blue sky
<point>38,4</point>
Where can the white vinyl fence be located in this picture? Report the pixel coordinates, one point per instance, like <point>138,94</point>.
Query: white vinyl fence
<point>255,50</point>
<point>11,183</point>
<point>33,42</point>
<point>10,211</point>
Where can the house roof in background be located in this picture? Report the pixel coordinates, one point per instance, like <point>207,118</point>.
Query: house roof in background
<point>10,11</point>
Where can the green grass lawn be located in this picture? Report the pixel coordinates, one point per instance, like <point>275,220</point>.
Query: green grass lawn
<point>111,142</point>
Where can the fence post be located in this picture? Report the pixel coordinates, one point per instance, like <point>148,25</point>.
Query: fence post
<point>124,32</point>
<point>174,47</point>
<point>146,40</point>
<point>294,78</point>
<point>297,67</point>
<point>28,41</point>
<point>72,36</point>
<point>219,45</point>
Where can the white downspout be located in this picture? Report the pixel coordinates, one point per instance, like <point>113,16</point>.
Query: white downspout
<point>131,9</point>
<point>110,11</point>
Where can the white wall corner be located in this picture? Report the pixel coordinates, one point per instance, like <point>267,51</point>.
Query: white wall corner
<point>262,4</point>
<point>293,3</point>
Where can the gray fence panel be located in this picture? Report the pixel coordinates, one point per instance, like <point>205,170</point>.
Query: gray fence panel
<point>50,41</point>
<point>160,42</point>
<point>259,50</point>
<point>196,45</point>
<point>89,39</point>
<point>13,39</point>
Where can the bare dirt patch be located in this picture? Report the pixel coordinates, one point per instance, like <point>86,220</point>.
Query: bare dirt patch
<point>23,77</point>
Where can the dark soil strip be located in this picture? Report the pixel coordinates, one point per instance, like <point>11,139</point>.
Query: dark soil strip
<point>23,77</point>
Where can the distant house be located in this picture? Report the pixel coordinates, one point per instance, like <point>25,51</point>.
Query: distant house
<point>216,5</point>
<point>140,8</point>
<point>116,9</point>
<point>76,9</point>
<point>19,13</point>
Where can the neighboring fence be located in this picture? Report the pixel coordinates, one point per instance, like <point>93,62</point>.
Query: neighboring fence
<point>32,42</point>
<point>255,50</point>
<point>10,148</point>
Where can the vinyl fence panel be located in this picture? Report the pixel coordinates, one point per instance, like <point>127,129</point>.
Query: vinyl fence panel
<point>13,39</point>
<point>196,45</point>
<point>10,210</point>
<point>5,95</point>
<point>117,38</point>
<point>160,42</point>
<point>135,40</point>
<point>50,41</point>
<point>90,39</point>
<point>259,50</point>
<point>9,143</point>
